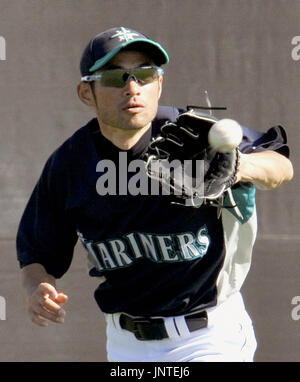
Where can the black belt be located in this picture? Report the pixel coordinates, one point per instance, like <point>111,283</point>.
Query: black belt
<point>154,328</point>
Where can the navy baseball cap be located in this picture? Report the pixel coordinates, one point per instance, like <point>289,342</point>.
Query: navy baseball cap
<point>104,46</point>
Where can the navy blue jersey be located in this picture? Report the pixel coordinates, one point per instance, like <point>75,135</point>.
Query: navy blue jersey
<point>152,257</point>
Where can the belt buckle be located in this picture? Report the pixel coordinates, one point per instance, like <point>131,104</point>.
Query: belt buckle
<point>153,329</point>
<point>136,327</point>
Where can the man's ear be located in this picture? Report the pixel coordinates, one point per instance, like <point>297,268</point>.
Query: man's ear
<point>85,94</point>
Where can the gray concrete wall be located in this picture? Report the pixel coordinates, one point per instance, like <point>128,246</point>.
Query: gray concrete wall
<point>240,51</point>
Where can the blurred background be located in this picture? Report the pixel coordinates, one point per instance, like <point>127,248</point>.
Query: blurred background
<point>239,51</point>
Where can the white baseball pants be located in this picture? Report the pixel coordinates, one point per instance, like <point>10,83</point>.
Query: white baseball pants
<point>229,337</point>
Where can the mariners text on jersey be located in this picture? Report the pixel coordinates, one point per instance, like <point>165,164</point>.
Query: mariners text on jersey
<point>122,252</point>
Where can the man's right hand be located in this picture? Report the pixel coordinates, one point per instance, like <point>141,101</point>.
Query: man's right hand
<point>45,304</point>
<point>41,296</point>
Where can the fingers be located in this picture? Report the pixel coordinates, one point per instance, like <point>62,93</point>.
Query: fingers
<point>41,317</point>
<point>45,305</point>
<point>61,298</point>
<point>36,319</point>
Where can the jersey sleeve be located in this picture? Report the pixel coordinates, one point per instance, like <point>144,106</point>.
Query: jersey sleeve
<point>274,139</point>
<point>46,234</point>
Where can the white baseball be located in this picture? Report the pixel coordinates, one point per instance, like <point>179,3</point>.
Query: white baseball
<point>225,135</point>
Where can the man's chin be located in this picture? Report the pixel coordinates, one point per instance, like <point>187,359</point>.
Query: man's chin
<point>137,122</point>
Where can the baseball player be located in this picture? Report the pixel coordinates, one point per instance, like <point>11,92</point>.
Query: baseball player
<point>169,274</point>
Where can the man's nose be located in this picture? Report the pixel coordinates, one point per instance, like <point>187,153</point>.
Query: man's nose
<point>132,86</point>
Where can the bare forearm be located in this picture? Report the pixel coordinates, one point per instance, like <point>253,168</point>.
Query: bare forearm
<point>266,170</point>
<point>32,275</point>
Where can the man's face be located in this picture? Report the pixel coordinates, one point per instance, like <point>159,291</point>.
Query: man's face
<point>132,107</point>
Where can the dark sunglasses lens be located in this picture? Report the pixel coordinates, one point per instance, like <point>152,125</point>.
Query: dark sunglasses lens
<point>145,75</point>
<point>113,78</point>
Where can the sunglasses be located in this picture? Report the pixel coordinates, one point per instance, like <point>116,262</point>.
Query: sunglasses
<point>117,78</point>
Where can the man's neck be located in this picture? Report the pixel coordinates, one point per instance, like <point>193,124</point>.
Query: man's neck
<point>123,139</point>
